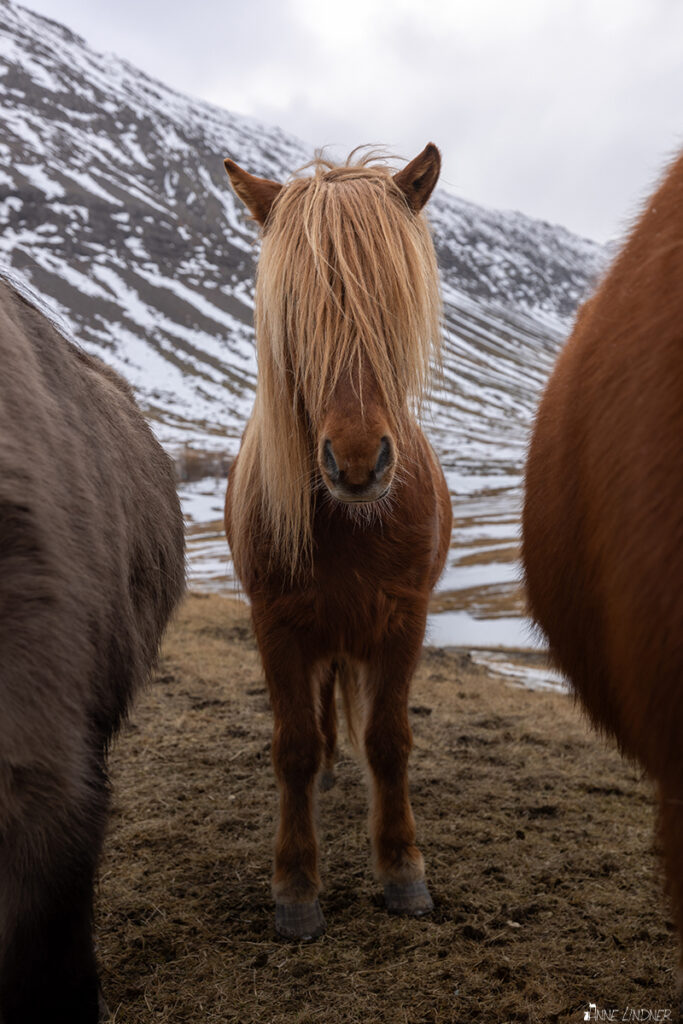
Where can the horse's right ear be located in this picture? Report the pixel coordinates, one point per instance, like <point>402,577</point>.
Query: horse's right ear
<point>257,194</point>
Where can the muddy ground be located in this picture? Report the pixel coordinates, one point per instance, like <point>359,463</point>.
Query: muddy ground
<point>538,841</point>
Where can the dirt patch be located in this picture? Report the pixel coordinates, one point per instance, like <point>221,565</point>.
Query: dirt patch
<point>538,841</point>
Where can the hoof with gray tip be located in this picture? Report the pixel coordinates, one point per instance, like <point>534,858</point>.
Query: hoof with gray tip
<point>300,921</point>
<point>411,898</point>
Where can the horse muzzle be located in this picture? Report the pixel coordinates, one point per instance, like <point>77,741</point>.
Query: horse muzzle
<point>356,480</point>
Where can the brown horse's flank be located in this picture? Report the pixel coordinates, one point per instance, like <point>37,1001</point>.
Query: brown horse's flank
<point>337,512</point>
<point>91,566</point>
<point>603,513</point>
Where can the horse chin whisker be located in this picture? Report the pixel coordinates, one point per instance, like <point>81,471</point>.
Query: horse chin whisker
<point>363,513</point>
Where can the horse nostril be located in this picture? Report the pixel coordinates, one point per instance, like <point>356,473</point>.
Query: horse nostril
<point>384,458</point>
<point>330,463</point>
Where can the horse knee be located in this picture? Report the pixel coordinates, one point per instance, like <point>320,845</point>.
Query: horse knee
<point>51,832</point>
<point>387,748</point>
<point>297,754</point>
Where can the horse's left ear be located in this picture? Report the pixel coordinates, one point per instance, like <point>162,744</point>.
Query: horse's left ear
<point>418,178</point>
<point>257,194</point>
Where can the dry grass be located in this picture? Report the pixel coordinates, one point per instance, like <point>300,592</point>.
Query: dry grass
<point>538,841</point>
<point>489,601</point>
<point>193,464</point>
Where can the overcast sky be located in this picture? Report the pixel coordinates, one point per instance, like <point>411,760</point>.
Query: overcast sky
<point>563,109</point>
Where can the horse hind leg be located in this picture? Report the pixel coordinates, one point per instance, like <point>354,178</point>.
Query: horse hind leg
<point>328,724</point>
<point>350,677</point>
<point>48,856</point>
<point>352,684</point>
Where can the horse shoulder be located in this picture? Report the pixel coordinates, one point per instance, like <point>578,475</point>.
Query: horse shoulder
<point>442,508</point>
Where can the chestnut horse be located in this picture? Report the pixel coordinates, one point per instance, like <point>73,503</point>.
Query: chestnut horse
<point>91,566</point>
<point>603,512</point>
<point>337,512</point>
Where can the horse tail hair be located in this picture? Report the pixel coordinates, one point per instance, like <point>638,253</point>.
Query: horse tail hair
<point>350,684</point>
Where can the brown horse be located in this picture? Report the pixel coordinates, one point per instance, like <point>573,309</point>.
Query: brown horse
<point>337,511</point>
<point>603,513</point>
<point>91,565</point>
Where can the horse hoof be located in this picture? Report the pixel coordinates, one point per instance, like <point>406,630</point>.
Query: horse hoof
<point>300,921</point>
<point>409,898</point>
<point>327,781</point>
<point>102,1009</point>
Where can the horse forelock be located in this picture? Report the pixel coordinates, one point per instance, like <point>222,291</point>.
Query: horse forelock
<point>347,283</point>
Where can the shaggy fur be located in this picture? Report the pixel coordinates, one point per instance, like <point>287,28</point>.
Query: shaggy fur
<point>345,278</point>
<point>91,566</point>
<point>337,511</point>
<point>603,511</point>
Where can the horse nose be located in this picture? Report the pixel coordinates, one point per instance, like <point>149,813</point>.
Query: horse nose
<point>357,473</point>
<point>330,463</point>
<point>384,458</point>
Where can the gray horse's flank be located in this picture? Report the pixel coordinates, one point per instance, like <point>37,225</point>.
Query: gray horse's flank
<point>91,567</point>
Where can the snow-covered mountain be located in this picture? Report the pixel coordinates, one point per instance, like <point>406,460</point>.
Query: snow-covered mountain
<point>115,206</point>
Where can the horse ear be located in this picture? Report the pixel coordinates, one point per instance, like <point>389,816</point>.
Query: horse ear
<point>418,178</point>
<point>257,194</point>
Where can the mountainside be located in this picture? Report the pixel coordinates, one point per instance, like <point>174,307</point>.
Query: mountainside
<point>115,206</point>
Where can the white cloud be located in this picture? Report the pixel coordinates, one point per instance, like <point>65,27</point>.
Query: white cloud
<point>565,110</point>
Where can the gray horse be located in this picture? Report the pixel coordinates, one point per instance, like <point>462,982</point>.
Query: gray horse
<point>91,567</point>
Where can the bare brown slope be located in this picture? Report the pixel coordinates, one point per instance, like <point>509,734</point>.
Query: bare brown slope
<point>537,839</point>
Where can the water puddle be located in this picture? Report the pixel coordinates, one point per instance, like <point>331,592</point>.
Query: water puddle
<point>462,629</point>
<point>526,669</point>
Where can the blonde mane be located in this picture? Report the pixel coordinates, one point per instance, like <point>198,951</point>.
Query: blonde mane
<point>347,278</point>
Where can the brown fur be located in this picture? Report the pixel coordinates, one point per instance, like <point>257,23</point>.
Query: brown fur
<point>603,513</point>
<point>91,565</point>
<point>337,511</point>
<point>355,282</point>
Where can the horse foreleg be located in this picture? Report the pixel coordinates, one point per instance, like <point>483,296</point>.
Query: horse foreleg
<point>388,741</point>
<point>297,754</point>
<point>48,859</point>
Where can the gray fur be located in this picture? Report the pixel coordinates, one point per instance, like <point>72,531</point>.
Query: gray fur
<point>91,567</point>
